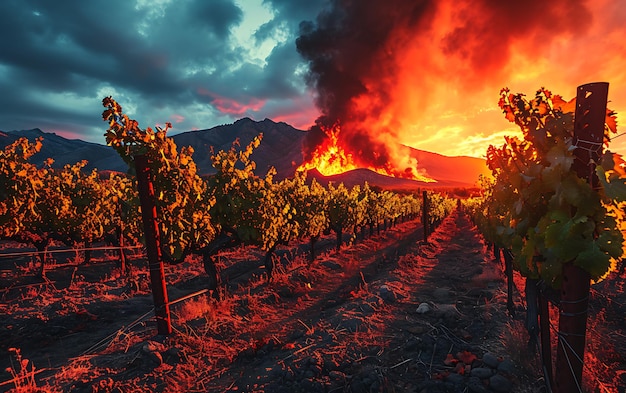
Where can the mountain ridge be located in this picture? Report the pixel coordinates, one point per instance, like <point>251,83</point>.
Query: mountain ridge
<point>281,148</point>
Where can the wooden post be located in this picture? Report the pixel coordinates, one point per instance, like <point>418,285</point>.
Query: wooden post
<point>153,245</point>
<point>119,234</point>
<point>508,268</point>
<point>545,339</point>
<point>124,269</point>
<point>425,208</point>
<point>588,137</point>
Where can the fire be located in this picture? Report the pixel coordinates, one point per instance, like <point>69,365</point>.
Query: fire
<point>330,158</point>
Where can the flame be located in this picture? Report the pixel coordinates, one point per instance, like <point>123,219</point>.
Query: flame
<point>330,158</point>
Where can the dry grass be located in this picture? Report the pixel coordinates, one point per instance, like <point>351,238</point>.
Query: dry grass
<point>602,358</point>
<point>603,363</point>
<point>23,375</point>
<point>193,309</point>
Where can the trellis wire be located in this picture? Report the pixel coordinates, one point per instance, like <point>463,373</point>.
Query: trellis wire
<point>108,339</point>
<point>31,253</point>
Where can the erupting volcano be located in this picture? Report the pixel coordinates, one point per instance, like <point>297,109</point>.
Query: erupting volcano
<point>331,158</point>
<point>351,70</point>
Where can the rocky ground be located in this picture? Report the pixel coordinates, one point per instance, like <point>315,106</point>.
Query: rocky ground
<point>419,318</point>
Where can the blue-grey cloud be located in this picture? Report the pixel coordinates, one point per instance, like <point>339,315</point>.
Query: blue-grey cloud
<point>161,60</point>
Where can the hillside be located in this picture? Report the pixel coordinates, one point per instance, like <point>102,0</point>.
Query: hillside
<point>360,176</point>
<point>68,151</point>
<point>280,148</point>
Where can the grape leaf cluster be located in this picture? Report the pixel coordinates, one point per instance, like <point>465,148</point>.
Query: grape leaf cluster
<point>538,207</point>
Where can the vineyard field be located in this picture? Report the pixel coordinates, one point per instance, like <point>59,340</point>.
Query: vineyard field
<point>349,321</point>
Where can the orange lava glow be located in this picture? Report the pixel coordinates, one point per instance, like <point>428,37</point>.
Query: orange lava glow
<point>330,158</point>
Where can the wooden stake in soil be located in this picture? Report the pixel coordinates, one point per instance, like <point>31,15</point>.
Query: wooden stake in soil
<point>546,340</point>
<point>153,245</point>
<point>588,138</point>
<point>425,212</point>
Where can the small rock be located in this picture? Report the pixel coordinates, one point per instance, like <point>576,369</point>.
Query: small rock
<point>455,379</point>
<point>490,360</point>
<point>276,372</point>
<point>448,312</point>
<point>476,386</point>
<point>507,366</point>
<point>357,386</point>
<point>367,309</point>
<point>481,372</point>
<point>465,335</point>
<point>487,294</point>
<point>413,343</point>
<point>337,376</point>
<point>622,379</point>
<point>173,356</point>
<point>387,294</point>
<point>352,325</point>
<point>418,329</point>
<point>423,308</point>
<point>294,335</point>
<point>474,292</point>
<point>152,353</point>
<point>500,384</point>
<point>373,300</point>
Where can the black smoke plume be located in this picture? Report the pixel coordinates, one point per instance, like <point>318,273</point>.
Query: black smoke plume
<point>346,48</point>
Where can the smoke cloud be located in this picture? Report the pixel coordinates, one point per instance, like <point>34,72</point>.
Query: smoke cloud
<point>377,67</point>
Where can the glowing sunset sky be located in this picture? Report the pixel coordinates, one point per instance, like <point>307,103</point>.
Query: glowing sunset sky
<point>203,63</point>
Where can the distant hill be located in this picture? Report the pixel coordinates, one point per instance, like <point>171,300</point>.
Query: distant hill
<point>280,148</point>
<point>68,151</point>
<point>451,171</point>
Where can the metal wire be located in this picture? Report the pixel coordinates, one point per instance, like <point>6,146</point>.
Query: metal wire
<point>31,253</point>
<point>596,149</point>
<point>618,135</point>
<point>563,342</point>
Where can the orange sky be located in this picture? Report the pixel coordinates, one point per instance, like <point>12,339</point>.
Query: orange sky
<point>447,99</point>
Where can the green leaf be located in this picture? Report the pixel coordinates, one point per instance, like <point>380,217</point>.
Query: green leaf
<point>559,156</point>
<point>550,270</point>
<point>611,242</point>
<point>614,186</point>
<point>594,261</point>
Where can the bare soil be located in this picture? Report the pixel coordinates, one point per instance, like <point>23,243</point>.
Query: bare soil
<point>388,314</point>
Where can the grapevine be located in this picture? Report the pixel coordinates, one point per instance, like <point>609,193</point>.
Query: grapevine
<point>538,206</point>
<point>182,200</point>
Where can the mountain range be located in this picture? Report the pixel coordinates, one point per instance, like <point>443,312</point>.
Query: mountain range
<point>281,147</point>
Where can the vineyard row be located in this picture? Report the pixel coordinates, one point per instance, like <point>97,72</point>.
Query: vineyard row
<point>197,214</point>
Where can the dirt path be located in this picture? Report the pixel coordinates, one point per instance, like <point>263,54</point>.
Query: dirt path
<point>387,314</point>
<point>363,329</point>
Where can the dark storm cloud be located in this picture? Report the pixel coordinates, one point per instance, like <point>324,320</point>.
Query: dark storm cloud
<point>57,58</point>
<point>216,16</point>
